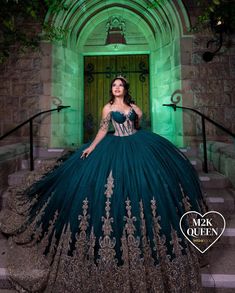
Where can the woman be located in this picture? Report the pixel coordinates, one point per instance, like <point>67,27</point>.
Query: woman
<point>107,219</point>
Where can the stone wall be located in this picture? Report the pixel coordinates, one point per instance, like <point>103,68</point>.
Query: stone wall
<point>222,155</point>
<point>24,91</point>
<point>67,86</point>
<point>11,160</point>
<point>208,87</point>
<point>27,87</point>
<point>214,86</point>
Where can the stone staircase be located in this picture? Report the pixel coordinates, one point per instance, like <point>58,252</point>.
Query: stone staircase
<point>217,263</point>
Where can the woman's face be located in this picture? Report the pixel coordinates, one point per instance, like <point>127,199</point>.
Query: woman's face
<point>118,89</point>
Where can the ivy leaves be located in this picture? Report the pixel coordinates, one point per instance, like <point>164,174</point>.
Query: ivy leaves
<point>216,12</point>
<point>22,25</point>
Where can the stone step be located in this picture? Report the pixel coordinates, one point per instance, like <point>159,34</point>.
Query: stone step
<point>42,154</point>
<point>48,153</point>
<point>196,159</point>
<point>214,180</point>
<point>228,237</point>
<point>216,283</point>
<point>2,191</point>
<point>189,151</point>
<point>17,178</point>
<point>25,164</point>
<point>196,162</point>
<point>221,200</point>
<point>218,272</point>
<point>217,290</point>
<point>4,199</point>
<point>4,282</point>
<point>220,269</point>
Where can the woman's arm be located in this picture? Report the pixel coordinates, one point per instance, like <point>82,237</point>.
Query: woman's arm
<point>139,116</point>
<point>104,127</point>
<point>137,110</point>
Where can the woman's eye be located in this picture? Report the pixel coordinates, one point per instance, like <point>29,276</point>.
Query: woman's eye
<point>117,85</point>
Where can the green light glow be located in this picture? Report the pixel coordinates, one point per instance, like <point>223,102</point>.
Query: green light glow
<point>162,42</point>
<point>65,130</point>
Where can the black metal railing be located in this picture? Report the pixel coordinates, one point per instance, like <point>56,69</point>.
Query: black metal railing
<point>30,121</point>
<point>203,118</point>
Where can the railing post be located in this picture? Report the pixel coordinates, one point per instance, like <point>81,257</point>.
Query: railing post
<point>31,144</point>
<point>205,166</point>
<point>204,117</point>
<point>30,121</point>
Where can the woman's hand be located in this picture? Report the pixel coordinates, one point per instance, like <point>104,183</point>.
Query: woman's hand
<point>101,133</point>
<point>86,152</point>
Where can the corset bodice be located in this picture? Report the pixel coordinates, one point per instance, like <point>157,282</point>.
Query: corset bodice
<point>123,123</point>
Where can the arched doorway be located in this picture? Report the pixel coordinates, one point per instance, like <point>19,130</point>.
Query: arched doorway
<point>156,32</point>
<point>99,71</point>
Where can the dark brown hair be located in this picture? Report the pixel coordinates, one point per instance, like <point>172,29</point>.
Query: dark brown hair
<point>127,97</point>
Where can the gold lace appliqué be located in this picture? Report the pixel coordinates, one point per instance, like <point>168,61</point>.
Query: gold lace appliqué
<point>86,263</point>
<point>104,123</point>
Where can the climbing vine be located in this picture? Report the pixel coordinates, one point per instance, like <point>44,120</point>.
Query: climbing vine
<point>211,13</point>
<point>16,35</point>
<point>23,26</point>
<point>215,13</point>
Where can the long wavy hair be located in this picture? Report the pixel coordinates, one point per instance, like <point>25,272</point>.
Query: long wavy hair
<point>127,97</point>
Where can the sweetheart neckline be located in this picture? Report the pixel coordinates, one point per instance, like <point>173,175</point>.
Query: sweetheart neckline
<point>122,112</point>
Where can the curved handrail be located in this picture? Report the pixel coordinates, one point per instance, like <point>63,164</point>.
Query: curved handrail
<point>204,117</point>
<point>30,121</point>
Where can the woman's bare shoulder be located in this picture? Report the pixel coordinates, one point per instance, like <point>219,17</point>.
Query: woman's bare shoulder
<point>137,109</point>
<point>133,105</point>
<point>106,108</point>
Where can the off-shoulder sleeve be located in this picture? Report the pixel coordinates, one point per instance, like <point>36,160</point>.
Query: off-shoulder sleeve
<point>104,123</point>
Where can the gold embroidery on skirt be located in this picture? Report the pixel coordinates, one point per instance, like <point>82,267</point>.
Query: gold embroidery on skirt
<point>83,263</point>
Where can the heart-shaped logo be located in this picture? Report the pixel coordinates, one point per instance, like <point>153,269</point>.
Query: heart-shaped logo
<point>202,231</point>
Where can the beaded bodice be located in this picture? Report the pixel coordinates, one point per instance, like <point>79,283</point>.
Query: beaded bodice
<point>123,123</point>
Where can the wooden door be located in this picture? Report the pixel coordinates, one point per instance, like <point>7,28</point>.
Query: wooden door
<point>99,71</point>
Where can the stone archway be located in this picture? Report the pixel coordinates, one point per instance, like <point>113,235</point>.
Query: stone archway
<point>161,29</point>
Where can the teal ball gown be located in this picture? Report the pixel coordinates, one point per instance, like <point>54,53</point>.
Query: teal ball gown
<point>107,223</point>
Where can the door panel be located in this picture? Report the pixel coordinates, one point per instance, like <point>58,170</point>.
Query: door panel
<point>99,71</point>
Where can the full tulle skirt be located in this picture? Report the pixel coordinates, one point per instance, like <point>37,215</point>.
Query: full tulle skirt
<point>109,222</point>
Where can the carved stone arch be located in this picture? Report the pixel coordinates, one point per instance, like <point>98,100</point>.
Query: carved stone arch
<point>164,28</point>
